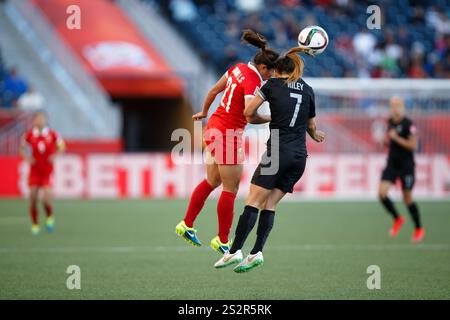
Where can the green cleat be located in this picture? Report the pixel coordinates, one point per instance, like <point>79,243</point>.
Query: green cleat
<point>219,246</point>
<point>50,224</point>
<point>188,234</point>
<point>35,229</point>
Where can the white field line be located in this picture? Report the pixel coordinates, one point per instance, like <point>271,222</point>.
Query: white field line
<point>150,249</point>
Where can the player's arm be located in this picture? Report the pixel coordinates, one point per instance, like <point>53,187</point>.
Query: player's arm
<point>23,152</point>
<point>251,110</point>
<point>409,143</point>
<point>60,145</point>
<point>210,97</point>
<point>316,135</point>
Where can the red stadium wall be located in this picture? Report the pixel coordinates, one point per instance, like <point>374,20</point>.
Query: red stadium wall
<point>84,147</point>
<point>156,176</point>
<point>113,49</point>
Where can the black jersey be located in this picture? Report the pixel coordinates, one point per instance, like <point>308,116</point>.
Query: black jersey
<point>291,106</point>
<point>398,156</point>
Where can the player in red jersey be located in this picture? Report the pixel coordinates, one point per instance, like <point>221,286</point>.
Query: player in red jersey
<point>44,143</point>
<point>223,136</point>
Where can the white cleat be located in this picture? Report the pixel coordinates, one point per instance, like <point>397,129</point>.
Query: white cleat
<point>250,262</point>
<point>229,259</point>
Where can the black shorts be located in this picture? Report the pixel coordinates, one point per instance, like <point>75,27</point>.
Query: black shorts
<point>284,176</point>
<point>405,174</point>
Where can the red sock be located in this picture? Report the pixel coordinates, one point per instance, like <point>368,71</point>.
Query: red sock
<point>34,214</point>
<point>198,198</point>
<point>225,212</point>
<point>48,210</point>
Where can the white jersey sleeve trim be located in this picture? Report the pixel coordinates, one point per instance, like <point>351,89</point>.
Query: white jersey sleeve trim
<point>253,68</point>
<point>260,93</point>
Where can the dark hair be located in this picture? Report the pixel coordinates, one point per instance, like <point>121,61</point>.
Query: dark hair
<point>266,55</point>
<point>290,63</point>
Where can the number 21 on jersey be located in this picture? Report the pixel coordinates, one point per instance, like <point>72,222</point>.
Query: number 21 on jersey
<point>228,94</point>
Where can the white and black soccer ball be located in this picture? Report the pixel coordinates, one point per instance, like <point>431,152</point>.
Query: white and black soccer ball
<point>313,39</point>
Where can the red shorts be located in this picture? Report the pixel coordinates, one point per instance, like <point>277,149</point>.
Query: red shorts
<point>40,178</point>
<point>224,144</point>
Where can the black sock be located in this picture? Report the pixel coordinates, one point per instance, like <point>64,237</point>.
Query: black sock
<point>245,225</point>
<point>387,203</point>
<point>414,212</point>
<point>265,224</point>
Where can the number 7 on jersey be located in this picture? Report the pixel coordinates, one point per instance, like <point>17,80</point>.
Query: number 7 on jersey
<point>298,97</point>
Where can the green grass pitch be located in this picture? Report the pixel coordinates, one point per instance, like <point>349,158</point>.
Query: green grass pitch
<point>127,249</point>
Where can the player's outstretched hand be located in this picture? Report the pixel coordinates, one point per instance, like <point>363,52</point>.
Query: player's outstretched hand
<point>199,116</point>
<point>319,136</point>
<point>30,160</point>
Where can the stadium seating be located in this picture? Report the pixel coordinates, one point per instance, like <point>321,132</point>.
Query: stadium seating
<point>212,30</point>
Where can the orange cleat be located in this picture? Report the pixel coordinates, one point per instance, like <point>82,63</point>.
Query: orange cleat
<point>398,223</point>
<point>418,235</point>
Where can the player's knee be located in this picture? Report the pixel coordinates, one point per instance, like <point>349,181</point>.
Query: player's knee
<point>255,204</point>
<point>382,194</point>
<point>255,201</point>
<point>214,182</point>
<point>271,207</point>
<point>231,188</point>
<point>33,198</point>
<point>407,199</point>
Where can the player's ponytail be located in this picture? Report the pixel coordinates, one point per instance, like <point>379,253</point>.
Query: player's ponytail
<point>291,63</point>
<point>254,38</point>
<point>266,55</point>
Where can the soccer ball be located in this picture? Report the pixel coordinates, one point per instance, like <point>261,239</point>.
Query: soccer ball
<point>313,39</point>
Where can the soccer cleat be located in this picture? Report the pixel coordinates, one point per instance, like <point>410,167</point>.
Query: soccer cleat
<point>418,235</point>
<point>219,246</point>
<point>229,259</point>
<point>250,262</point>
<point>398,223</point>
<point>35,229</point>
<point>50,224</point>
<point>188,234</point>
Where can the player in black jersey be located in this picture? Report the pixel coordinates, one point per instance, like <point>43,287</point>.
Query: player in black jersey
<point>293,111</point>
<point>402,140</point>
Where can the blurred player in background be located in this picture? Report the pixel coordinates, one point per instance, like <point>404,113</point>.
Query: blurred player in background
<point>402,140</point>
<point>293,111</point>
<point>43,145</point>
<point>223,137</point>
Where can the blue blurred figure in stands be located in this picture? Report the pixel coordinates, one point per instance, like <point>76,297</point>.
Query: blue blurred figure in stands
<point>13,87</point>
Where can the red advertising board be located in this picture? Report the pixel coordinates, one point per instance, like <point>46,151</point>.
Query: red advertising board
<point>327,176</point>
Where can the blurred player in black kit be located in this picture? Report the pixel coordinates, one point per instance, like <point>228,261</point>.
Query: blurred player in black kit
<point>402,141</point>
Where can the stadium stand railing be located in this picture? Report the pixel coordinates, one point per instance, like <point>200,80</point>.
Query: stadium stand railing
<point>354,112</point>
<point>13,123</point>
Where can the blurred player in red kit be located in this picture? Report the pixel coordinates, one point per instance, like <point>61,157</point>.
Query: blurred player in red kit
<point>38,147</point>
<point>223,137</point>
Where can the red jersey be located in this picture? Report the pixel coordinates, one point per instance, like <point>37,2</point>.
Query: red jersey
<point>43,145</point>
<point>242,81</point>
